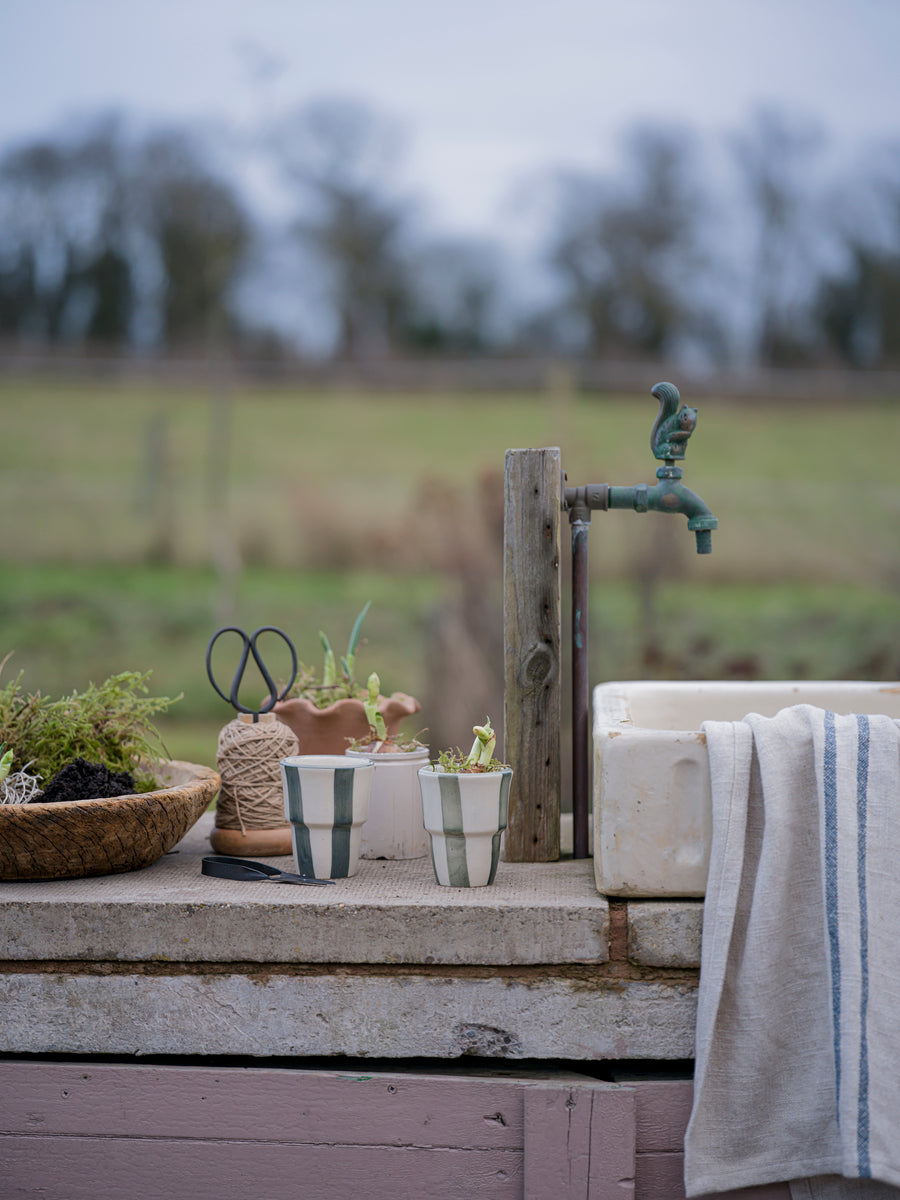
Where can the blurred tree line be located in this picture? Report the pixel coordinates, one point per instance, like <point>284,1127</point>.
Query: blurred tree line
<point>123,240</point>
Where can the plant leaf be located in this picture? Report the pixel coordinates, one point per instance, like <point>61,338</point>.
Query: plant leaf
<point>354,634</point>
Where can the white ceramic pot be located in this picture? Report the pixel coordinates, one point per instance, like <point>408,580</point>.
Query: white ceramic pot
<point>326,800</point>
<point>465,815</point>
<point>394,828</point>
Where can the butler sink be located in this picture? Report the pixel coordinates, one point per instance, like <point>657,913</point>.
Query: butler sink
<point>652,804</point>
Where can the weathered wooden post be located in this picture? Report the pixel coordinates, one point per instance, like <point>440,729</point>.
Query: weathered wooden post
<point>532,636</point>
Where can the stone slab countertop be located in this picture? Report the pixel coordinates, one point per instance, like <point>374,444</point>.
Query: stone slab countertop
<point>384,965</point>
<point>391,912</point>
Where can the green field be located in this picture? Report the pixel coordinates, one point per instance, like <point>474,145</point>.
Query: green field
<point>128,473</point>
<point>139,518</point>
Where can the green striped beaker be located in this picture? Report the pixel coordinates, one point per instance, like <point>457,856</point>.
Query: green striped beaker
<point>326,800</point>
<point>465,814</point>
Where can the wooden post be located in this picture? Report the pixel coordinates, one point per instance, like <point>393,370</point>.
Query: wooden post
<point>532,635</point>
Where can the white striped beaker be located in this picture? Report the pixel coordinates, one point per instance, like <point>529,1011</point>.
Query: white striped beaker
<point>465,814</point>
<point>326,800</point>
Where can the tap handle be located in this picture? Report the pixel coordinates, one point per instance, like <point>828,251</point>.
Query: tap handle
<point>673,425</point>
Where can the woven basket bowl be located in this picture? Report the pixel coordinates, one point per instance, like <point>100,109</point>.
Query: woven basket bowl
<point>74,838</point>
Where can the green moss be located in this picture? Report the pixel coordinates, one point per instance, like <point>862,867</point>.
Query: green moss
<point>109,724</point>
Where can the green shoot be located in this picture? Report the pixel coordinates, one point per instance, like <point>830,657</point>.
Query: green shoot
<point>373,716</point>
<point>329,670</point>
<point>480,757</point>
<point>483,747</point>
<point>336,684</point>
<point>349,661</point>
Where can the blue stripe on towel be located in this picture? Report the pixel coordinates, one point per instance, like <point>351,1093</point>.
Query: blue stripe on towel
<point>829,779</point>
<point>862,782</point>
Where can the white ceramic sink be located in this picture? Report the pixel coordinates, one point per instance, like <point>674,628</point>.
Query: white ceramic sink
<point>652,804</point>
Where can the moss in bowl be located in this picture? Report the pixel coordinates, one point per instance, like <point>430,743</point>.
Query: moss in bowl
<point>108,726</point>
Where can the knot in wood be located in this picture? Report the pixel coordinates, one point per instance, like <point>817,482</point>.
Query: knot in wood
<point>538,666</point>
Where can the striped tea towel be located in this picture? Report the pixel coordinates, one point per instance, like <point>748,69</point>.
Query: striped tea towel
<point>798,1023</point>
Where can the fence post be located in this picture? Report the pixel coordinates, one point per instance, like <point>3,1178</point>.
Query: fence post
<point>532,636</point>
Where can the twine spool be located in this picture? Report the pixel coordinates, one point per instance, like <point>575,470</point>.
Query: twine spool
<point>248,761</point>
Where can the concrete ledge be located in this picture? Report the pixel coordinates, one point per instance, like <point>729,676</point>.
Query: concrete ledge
<point>359,1015</point>
<point>384,965</point>
<point>665,933</point>
<point>391,912</point>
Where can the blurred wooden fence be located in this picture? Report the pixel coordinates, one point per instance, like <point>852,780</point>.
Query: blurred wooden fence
<point>496,374</point>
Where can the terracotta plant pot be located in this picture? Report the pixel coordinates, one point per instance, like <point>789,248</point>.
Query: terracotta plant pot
<point>330,730</point>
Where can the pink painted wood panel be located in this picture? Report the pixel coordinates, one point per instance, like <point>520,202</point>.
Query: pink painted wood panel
<point>73,1130</point>
<point>579,1143</point>
<point>262,1104</point>
<point>79,1168</point>
<point>659,1175</point>
<point>95,1130</point>
<point>662,1110</point>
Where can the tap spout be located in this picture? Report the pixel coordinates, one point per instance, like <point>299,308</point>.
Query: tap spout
<point>669,495</point>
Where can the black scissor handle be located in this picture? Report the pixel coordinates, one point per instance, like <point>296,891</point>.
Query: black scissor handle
<point>250,647</point>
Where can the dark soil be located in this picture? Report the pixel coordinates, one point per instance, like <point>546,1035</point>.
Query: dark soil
<point>83,780</point>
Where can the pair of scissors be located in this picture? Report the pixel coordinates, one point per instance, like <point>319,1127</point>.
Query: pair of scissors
<point>257,872</point>
<point>250,648</point>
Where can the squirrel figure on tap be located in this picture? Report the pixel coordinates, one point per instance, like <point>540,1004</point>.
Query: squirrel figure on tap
<point>668,441</point>
<point>673,426</point>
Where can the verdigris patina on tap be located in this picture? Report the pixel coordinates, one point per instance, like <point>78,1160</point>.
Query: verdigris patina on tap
<point>668,441</point>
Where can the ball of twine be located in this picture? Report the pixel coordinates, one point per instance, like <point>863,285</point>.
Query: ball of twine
<point>248,761</point>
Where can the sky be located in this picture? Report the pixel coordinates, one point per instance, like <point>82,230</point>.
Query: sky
<point>488,91</point>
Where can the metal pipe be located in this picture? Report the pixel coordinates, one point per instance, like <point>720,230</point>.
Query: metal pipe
<point>580,686</point>
<point>579,502</point>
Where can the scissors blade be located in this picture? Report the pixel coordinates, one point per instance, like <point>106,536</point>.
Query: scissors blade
<point>288,877</point>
